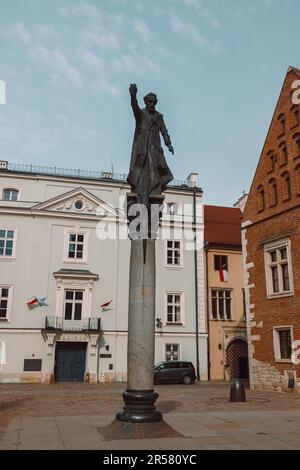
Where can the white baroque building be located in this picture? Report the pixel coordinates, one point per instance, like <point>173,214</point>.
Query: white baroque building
<point>64,273</point>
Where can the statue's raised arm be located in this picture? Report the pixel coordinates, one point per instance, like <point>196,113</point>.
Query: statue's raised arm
<point>134,102</point>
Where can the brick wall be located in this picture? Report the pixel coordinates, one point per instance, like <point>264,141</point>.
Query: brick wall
<point>283,219</point>
<point>265,314</point>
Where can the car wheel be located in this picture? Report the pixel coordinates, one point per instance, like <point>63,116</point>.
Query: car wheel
<point>187,380</point>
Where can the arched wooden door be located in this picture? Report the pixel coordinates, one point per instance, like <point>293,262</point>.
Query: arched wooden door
<point>237,359</point>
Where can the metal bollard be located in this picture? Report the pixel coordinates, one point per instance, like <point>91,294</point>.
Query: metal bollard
<point>237,391</point>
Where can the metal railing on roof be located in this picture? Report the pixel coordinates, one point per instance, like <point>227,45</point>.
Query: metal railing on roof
<point>75,173</point>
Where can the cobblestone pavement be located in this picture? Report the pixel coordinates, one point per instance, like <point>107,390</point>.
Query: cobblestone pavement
<point>70,415</point>
<point>90,399</point>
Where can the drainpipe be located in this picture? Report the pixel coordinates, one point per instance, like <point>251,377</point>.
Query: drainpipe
<point>98,358</point>
<point>196,286</point>
<point>206,248</point>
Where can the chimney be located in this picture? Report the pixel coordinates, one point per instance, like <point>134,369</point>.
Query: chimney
<point>192,180</point>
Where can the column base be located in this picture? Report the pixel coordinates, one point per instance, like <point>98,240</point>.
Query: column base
<point>139,407</point>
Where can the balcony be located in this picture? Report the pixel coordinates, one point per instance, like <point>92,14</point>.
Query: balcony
<point>85,324</point>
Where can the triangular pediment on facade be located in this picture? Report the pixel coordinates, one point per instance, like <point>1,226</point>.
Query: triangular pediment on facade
<point>78,201</point>
<point>278,155</point>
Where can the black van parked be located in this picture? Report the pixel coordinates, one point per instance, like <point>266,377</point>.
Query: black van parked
<point>174,372</point>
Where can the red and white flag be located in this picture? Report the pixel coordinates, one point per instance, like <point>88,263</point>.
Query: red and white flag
<point>106,304</point>
<point>32,303</point>
<point>223,274</point>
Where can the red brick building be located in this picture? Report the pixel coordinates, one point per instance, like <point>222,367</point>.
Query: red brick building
<point>271,248</point>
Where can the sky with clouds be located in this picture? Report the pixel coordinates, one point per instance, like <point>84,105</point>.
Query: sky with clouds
<point>216,65</point>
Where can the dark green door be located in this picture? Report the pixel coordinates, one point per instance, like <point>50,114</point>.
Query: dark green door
<point>70,362</point>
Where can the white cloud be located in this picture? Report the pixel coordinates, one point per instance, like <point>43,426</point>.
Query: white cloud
<point>114,32</point>
<point>142,29</point>
<point>206,13</point>
<point>22,32</point>
<point>188,29</point>
<point>27,132</point>
<point>98,65</point>
<point>90,59</point>
<point>104,85</point>
<point>56,60</point>
<point>30,133</point>
<point>44,31</point>
<point>246,10</point>
<point>106,44</point>
<point>107,40</point>
<point>58,63</point>
<point>269,3</point>
<point>83,9</point>
<point>134,63</point>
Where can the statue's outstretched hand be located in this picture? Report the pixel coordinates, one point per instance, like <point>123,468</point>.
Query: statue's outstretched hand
<point>171,149</point>
<point>133,89</point>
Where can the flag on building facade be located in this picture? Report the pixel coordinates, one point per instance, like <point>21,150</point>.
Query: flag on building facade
<point>106,305</point>
<point>34,302</point>
<point>42,302</point>
<point>223,274</point>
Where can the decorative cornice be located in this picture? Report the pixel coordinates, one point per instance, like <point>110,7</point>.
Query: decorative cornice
<point>75,274</point>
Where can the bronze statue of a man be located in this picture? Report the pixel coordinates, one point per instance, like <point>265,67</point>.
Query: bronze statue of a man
<point>149,173</point>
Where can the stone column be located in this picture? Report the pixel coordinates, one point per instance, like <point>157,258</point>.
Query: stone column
<point>140,397</point>
<point>141,321</point>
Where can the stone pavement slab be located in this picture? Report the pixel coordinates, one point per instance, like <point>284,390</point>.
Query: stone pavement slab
<point>270,421</point>
<point>9,439</point>
<point>74,433</point>
<point>258,441</point>
<point>190,426</point>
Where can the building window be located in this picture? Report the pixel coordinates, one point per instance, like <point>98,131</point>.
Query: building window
<point>278,269</point>
<point>221,304</point>
<point>283,154</point>
<point>273,192</point>
<point>283,343</point>
<point>296,139</point>
<point>76,242</point>
<point>297,170</point>
<point>261,199</point>
<point>76,246</point>
<point>281,122</point>
<point>220,262</point>
<point>5,302</point>
<point>74,295</point>
<point>7,242</point>
<point>295,116</point>
<point>172,352</point>
<point>286,185</point>
<point>79,204</point>
<point>174,308</point>
<point>173,253</point>
<point>73,304</point>
<point>272,161</point>
<point>172,208</point>
<point>10,194</point>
